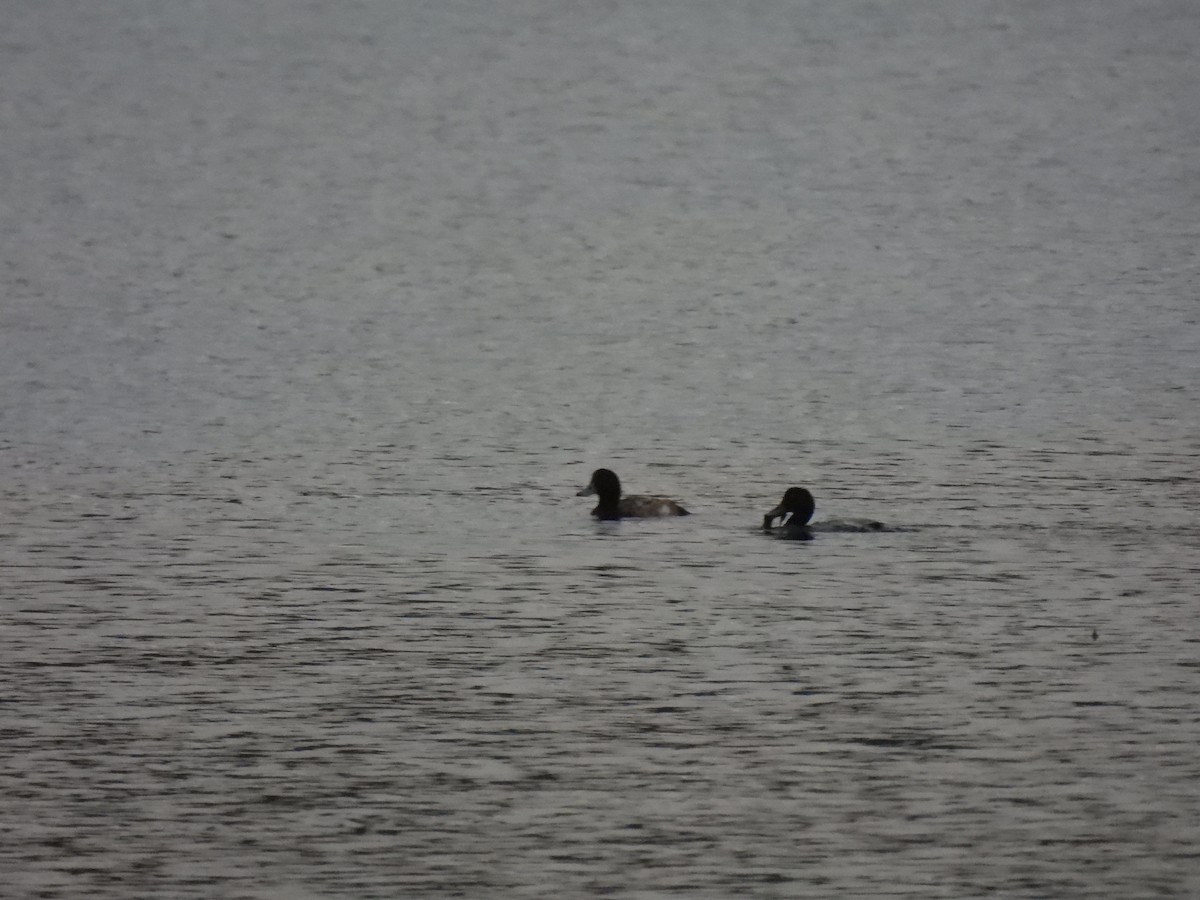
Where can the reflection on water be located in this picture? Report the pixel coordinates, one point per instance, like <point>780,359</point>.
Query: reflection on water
<point>315,323</point>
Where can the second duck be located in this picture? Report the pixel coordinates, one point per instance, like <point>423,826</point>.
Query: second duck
<point>795,511</point>
<point>607,487</point>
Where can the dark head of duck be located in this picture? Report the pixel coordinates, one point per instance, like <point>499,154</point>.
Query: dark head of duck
<point>794,510</point>
<point>607,487</point>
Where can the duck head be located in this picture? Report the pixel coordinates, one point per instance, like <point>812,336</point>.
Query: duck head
<point>604,484</point>
<point>798,502</point>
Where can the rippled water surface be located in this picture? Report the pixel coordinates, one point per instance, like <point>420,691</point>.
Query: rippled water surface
<point>316,316</point>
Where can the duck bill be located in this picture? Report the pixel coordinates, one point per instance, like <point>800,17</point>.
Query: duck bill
<point>586,492</point>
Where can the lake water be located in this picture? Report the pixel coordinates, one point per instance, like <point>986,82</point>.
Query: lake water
<point>315,316</point>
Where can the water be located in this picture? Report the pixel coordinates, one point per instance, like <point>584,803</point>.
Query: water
<point>315,317</point>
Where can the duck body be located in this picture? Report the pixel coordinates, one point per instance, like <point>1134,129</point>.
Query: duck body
<point>850,526</point>
<point>607,487</point>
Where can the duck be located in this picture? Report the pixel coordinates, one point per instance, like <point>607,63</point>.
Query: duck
<point>796,510</point>
<point>607,487</point>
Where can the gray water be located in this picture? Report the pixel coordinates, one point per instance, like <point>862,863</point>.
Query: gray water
<point>316,315</point>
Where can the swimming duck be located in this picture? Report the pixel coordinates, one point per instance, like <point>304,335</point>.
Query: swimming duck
<point>796,509</point>
<point>612,505</point>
